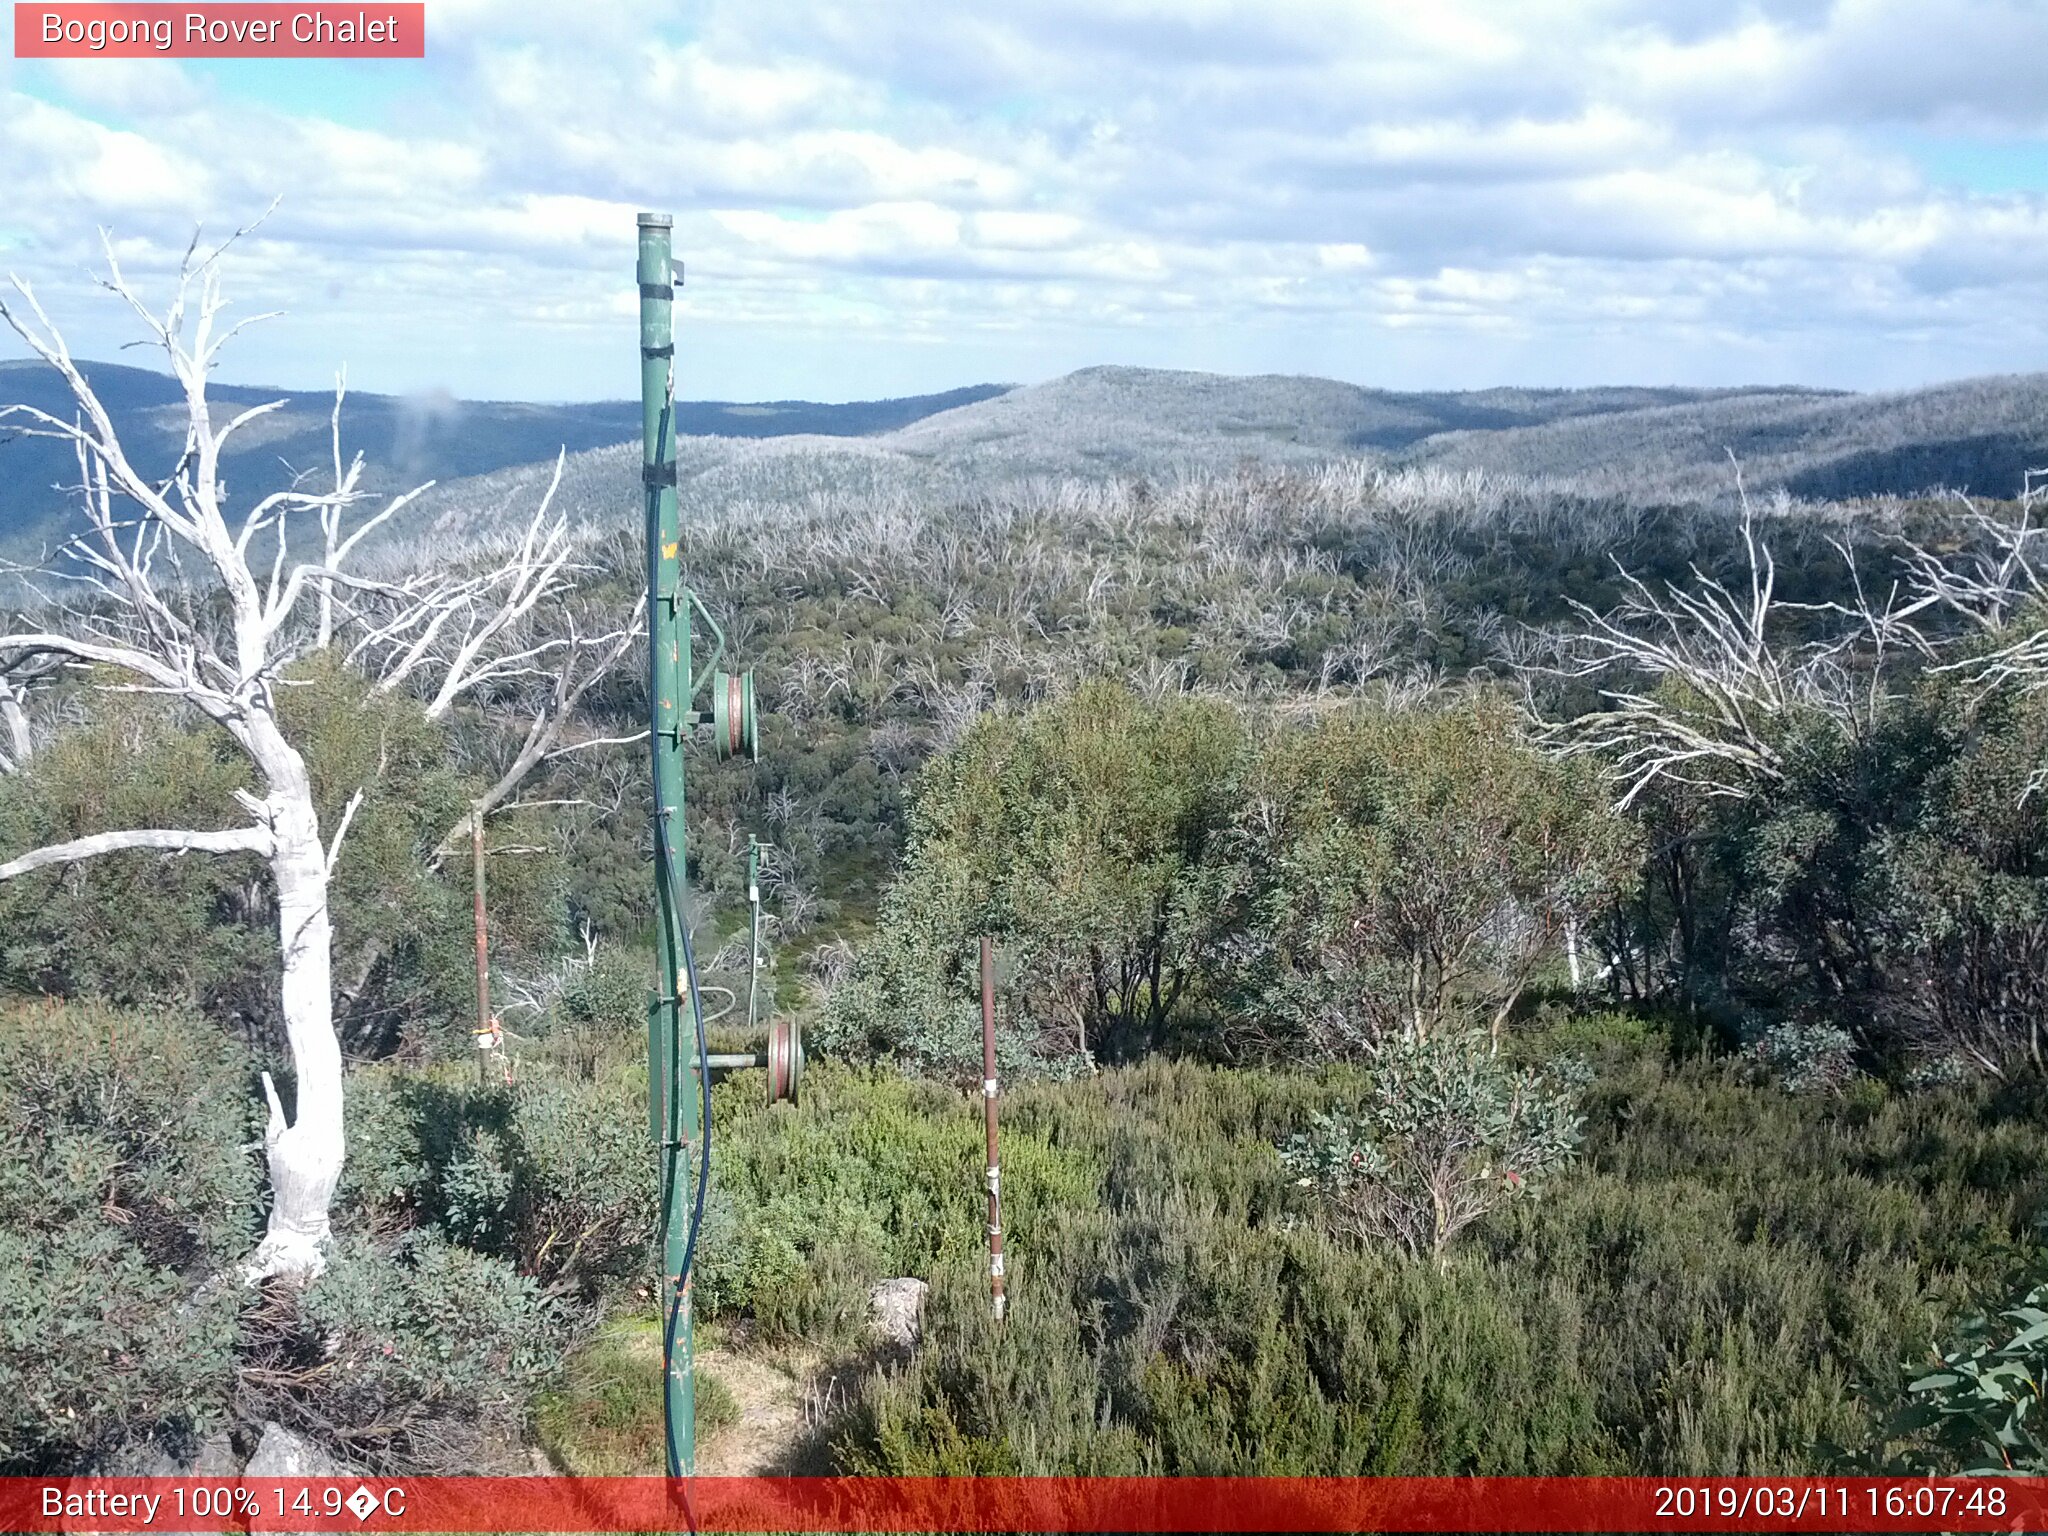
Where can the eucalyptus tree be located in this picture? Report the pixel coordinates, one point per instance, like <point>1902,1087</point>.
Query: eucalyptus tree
<point>1073,833</point>
<point>1404,871</point>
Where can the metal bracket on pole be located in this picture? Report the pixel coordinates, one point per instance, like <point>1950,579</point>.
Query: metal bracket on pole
<point>717,643</point>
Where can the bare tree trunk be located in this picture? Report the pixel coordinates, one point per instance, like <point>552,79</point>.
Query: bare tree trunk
<point>305,1155</point>
<point>16,744</point>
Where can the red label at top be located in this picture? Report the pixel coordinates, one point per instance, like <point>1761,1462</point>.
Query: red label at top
<point>234,30</point>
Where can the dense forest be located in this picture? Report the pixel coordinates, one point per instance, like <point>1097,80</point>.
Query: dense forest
<point>1494,980</point>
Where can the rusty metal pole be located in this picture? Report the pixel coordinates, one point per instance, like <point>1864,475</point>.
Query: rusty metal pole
<point>988,1101</point>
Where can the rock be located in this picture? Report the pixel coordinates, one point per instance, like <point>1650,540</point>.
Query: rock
<point>896,1310</point>
<point>217,1457</point>
<point>280,1453</point>
<point>140,1458</point>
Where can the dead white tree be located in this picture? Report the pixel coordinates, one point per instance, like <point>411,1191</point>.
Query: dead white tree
<point>1704,685</point>
<point>1998,576</point>
<point>510,630</point>
<point>178,600</point>
<point>1996,586</point>
<point>18,675</point>
<point>1725,683</point>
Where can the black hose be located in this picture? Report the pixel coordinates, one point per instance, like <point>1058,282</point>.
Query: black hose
<point>682,1279</point>
<point>668,887</point>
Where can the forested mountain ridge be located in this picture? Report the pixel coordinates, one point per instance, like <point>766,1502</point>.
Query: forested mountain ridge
<point>1098,424</point>
<point>1979,435</point>
<point>405,439</point>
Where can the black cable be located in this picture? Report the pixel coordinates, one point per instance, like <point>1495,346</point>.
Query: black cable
<point>668,887</point>
<point>675,1304</point>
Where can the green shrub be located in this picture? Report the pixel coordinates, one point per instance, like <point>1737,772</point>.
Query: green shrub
<point>1889,880</point>
<point>585,1197</point>
<point>1600,1040</point>
<point>1071,834</point>
<point>1808,1058</point>
<point>556,1174</point>
<point>131,927</point>
<point>1446,1131</point>
<point>873,1177</point>
<point>717,1408</point>
<point>603,1417</point>
<point>552,1172</point>
<point>1700,1297</point>
<point>1403,869</point>
<point>423,1355</point>
<point>611,993</point>
<point>1162,1341</point>
<point>129,1179</point>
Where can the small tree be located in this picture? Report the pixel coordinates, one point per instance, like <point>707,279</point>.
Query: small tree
<point>1406,871</point>
<point>1709,694</point>
<point>1073,835</point>
<point>1447,1131</point>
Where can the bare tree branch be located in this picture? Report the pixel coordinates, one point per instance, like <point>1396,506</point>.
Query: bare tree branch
<point>164,840</point>
<point>1721,689</point>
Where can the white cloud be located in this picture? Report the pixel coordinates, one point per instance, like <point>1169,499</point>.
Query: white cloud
<point>1583,185</point>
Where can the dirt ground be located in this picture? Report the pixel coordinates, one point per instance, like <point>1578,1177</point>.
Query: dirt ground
<point>785,1398</point>
<point>770,1436</point>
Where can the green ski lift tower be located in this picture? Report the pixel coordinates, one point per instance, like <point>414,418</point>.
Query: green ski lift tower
<point>679,1062</point>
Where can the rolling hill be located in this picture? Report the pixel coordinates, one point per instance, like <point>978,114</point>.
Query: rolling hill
<point>405,439</point>
<point>1978,435</point>
<point>491,457</point>
<point>1095,424</point>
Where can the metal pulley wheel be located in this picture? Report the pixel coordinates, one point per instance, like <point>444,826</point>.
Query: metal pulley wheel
<point>735,730</point>
<point>785,1061</point>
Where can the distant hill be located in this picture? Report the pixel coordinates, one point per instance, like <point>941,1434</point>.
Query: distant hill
<point>405,439</point>
<point>1977,435</point>
<point>1663,444</point>
<point>1146,417</point>
<point>1095,424</point>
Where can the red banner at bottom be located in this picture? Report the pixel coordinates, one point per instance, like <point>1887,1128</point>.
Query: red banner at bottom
<point>1131,1504</point>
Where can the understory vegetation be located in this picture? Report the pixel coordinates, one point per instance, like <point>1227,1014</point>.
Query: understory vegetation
<point>1491,982</point>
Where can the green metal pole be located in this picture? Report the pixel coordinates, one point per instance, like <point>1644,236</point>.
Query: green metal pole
<point>672,1082</point>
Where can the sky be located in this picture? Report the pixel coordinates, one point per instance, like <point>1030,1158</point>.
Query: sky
<point>885,197</point>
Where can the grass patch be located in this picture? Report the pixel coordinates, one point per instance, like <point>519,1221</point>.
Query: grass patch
<point>604,1418</point>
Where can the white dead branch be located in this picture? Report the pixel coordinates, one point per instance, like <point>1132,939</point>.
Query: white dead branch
<point>1704,688</point>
